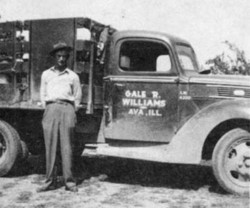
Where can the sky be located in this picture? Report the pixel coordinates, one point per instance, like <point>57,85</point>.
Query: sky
<point>205,24</point>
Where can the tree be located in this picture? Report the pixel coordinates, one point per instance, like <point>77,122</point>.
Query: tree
<point>232,61</point>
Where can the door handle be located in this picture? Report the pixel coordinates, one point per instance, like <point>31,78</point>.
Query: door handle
<point>119,85</point>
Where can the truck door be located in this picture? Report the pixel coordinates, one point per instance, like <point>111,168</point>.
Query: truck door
<point>141,94</point>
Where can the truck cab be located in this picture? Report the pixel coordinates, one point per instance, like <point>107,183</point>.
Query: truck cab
<point>142,86</point>
<point>159,107</point>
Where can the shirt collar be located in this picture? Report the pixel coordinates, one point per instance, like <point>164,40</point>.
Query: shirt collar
<point>65,71</point>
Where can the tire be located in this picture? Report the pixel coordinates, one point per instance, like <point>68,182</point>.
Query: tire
<point>10,147</point>
<point>231,162</point>
<point>25,151</point>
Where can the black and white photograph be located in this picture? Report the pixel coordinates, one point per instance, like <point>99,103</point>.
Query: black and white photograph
<point>122,104</point>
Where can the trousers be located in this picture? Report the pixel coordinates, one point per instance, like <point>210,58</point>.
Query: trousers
<point>58,126</point>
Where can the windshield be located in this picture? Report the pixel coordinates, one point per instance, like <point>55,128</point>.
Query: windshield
<point>187,58</point>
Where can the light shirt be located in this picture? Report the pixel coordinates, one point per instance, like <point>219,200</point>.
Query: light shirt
<point>60,85</point>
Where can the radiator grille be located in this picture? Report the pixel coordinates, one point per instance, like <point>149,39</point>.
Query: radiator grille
<point>230,92</point>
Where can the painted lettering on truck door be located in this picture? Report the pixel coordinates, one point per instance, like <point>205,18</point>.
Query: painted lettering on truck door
<point>144,93</point>
<point>143,103</point>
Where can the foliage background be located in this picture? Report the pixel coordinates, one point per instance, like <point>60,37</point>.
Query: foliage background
<point>231,61</point>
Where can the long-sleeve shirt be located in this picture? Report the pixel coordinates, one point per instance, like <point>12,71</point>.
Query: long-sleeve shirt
<point>60,86</point>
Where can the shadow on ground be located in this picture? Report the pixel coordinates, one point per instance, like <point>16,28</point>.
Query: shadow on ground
<point>150,174</point>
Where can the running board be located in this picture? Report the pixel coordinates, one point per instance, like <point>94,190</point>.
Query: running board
<point>156,153</point>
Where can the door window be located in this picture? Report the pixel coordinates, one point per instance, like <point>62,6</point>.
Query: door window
<point>144,56</point>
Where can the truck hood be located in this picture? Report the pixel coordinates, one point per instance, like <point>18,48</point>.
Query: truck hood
<point>235,80</point>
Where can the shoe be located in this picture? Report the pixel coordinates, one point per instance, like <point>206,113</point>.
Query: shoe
<point>46,188</point>
<point>72,189</point>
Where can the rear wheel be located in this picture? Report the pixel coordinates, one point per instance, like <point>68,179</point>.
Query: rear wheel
<point>231,161</point>
<point>10,147</point>
<point>25,151</point>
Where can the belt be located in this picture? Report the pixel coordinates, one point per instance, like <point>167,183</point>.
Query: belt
<point>62,102</point>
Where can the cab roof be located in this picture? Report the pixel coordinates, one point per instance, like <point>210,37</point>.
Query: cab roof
<point>151,35</point>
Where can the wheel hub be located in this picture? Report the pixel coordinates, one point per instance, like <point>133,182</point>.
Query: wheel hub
<point>239,162</point>
<point>247,163</point>
<point>244,166</point>
<point>2,148</point>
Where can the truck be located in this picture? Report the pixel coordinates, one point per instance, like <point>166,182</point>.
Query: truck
<point>144,98</point>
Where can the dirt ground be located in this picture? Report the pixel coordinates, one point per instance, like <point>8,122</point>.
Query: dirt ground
<point>108,183</point>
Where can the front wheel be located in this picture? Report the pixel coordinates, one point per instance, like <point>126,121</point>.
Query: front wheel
<point>231,161</point>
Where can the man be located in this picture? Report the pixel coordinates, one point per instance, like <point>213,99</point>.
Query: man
<point>60,95</point>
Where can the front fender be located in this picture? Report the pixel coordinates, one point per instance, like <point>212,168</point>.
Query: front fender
<point>186,146</point>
